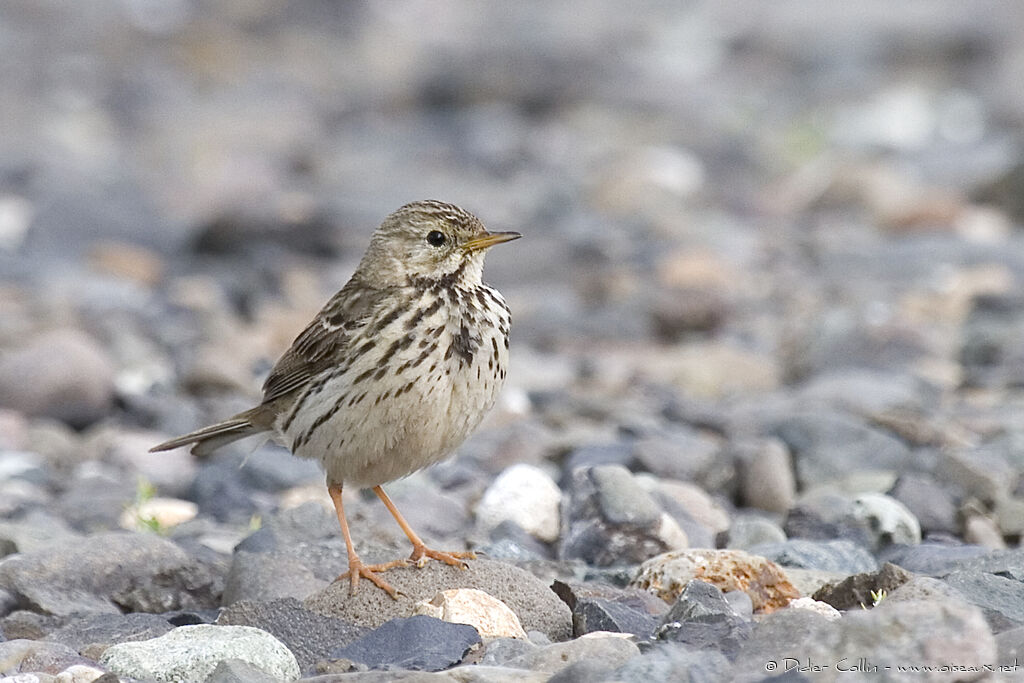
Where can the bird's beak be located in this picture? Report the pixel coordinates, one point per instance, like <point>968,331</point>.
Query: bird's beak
<point>489,239</point>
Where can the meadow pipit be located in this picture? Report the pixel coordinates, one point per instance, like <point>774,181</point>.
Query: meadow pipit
<point>394,372</point>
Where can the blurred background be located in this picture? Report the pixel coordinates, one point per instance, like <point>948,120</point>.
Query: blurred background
<point>731,209</point>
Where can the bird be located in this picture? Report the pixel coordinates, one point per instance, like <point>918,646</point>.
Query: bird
<point>393,373</point>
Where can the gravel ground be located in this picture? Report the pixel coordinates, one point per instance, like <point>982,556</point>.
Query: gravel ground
<point>764,415</point>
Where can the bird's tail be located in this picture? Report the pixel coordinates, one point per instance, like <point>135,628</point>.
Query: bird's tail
<point>209,439</point>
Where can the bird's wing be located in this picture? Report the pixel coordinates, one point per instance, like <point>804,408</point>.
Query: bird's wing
<point>324,341</point>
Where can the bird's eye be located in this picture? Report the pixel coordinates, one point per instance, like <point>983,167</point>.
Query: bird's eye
<point>435,238</point>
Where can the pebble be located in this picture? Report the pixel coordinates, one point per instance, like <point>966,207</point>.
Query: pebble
<point>489,616</point>
<point>703,619</point>
<point>886,519</point>
<point>830,556</point>
<point>766,478</point>
<point>816,606</point>
<point>600,607</point>
<point>157,513</point>
<point>611,520</point>
<point>679,453</point>
<point>828,446</point>
<point>419,643</point>
<point>171,472</point>
<point>699,516</point>
<point>667,575</point>
<point>525,495</point>
<point>748,531</point>
<point>191,653</point>
<point>608,650</point>
<point>63,374</point>
<point>927,500</point>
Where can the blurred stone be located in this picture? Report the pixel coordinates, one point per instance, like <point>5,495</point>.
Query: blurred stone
<point>605,649</point>
<point>611,520</point>
<point>827,446</point>
<point>833,556</point>
<point>63,374</point>
<point>698,515</point>
<point>171,472</point>
<point>981,530</point>
<point>668,574</point>
<point>824,515</point>
<point>934,559</point>
<point>931,503</point>
<point>767,481</point>
<point>526,495</point>
<point>129,261</point>
<point>747,531</point>
<point>886,519</point>
<point>159,513</point>
<point>678,453</point>
<point>992,353</point>
<point>1006,191</point>
<point>981,474</point>
<point>597,454</point>
<point>677,314</point>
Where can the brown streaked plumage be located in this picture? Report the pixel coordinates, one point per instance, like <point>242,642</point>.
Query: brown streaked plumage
<point>394,372</point>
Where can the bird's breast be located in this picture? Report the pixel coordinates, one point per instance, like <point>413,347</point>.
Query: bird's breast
<point>417,382</point>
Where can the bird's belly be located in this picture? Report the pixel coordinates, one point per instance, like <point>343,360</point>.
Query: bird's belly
<point>381,435</point>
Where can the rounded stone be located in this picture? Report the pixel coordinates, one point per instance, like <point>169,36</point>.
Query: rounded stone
<point>526,495</point>
<point>189,654</point>
<point>64,374</point>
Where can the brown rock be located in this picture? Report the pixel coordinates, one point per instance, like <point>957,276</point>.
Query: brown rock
<point>764,581</point>
<point>856,591</point>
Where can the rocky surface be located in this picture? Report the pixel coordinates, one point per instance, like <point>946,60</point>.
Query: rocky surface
<point>767,337</point>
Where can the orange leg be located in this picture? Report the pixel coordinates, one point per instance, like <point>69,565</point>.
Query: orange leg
<point>420,551</point>
<point>356,568</point>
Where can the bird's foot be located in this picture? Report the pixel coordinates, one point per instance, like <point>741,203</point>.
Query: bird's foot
<point>357,570</point>
<point>421,553</point>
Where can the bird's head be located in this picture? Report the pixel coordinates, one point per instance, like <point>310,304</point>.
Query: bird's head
<point>429,242</point>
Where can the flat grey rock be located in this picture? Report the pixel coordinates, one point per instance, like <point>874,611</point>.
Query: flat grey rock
<point>420,643</point>
<point>110,572</point>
